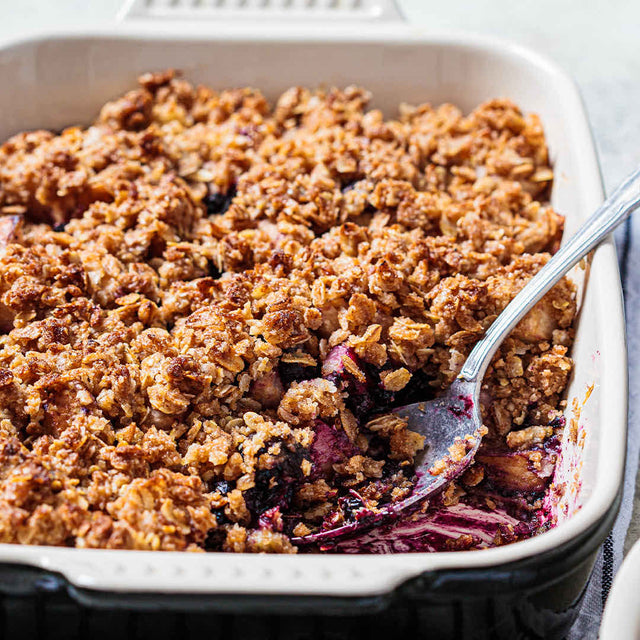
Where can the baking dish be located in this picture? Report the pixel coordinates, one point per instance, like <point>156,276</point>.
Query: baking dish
<point>61,79</point>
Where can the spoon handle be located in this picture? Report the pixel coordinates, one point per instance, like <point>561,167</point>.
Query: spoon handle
<point>616,208</point>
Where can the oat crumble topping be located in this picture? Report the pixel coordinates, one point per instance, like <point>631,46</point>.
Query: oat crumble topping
<point>205,303</point>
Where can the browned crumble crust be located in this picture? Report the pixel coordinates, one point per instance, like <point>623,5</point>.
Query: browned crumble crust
<point>151,394</point>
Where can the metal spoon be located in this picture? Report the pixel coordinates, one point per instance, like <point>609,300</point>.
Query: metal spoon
<point>454,418</point>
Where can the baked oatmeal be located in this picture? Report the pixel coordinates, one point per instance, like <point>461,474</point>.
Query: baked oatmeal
<point>207,305</point>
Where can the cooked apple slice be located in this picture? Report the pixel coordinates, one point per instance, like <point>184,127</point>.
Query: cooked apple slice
<point>529,470</point>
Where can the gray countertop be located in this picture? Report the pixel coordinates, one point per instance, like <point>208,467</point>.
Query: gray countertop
<point>596,42</point>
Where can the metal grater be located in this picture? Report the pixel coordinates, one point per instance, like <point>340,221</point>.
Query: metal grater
<point>370,10</point>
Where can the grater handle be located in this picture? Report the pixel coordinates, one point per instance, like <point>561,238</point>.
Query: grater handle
<point>277,10</point>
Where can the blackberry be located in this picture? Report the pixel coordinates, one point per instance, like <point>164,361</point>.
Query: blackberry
<point>220,516</point>
<point>267,493</point>
<point>360,402</point>
<point>215,539</point>
<point>358,393</point>
<point>218,202</point>
<point>296,372</point>
<point>352,506</point>
<point>382,398</point>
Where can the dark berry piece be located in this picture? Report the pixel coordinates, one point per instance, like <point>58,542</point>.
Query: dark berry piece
<point>220,516</point>
<point>272,489</point>
<point>296,372</point>
<point>382,398</point>
<point>343,367</point>
<point>361,403</point>
<point>348,185</point>
<point>263,476</point>
<point>217,202</point>
<point>353,506</point>
<point>290,470</point>
<point>60,226</point>
<point>558,422</point>
<point>222,487</point>
<point>215,539</point>
<point>419,389</point>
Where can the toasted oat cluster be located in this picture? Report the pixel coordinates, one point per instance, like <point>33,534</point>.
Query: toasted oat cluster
<point>208,303</point>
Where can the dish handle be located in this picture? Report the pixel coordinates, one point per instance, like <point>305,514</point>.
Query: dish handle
<point>258,10</point>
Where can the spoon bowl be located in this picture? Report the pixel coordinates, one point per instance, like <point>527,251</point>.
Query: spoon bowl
<point>452,429</point>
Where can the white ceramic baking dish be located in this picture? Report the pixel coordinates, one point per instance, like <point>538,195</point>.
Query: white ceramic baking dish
<point>62,79</point>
